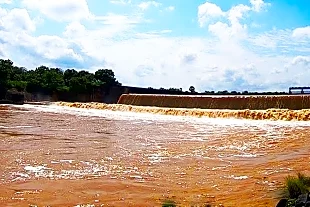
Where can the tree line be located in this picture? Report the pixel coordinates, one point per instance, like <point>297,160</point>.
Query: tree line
<point>192,90</point>
<point>49,81</point>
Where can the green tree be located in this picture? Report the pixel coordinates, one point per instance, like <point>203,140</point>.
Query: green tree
<point>5,68</point>
<point>68,75</point>
<point>175,89</point>
<point>81,82</point>
<point>33,82</point>
<point>17,79</point>
<point>192,89</point>
<point>53,80</point>
<point>50,81</point>
<point>106,78</point>
<point>17,73</point>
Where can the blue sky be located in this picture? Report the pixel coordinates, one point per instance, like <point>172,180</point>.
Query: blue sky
<point>254,45</point>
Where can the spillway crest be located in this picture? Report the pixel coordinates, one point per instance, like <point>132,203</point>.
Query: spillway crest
<point>294,102</point>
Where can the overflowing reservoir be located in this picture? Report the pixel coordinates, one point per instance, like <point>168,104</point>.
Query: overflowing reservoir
<point>62,156</point>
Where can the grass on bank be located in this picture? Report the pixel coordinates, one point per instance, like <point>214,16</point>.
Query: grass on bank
<point>297,185</point>
<point>171,203</point>
<point>294,186</point>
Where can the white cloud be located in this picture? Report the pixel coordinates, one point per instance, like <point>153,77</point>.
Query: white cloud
<point>152,34</point>
<point>121,2</point>
<point>113,27</point>
<point>16,36</point>
<point>115,19</point>
<point>258,5</point>
<point>220,29</point>
<point>6,1</point>
<point>302,32</point>
<point>75,29</point>
<point>16,20</point>
<point>170,8</point>
<point>303,60</point>
<point>69,10</point>
<point>207,11</point>
<point>44,46</point>
<point>279,41</point>
<point>237,12</point>
<point>234,28</point>
<point>52,47</point>
<point>146,4</point>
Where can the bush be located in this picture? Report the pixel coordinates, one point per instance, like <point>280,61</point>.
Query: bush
<point>169,203</point>
<point>296,186</point>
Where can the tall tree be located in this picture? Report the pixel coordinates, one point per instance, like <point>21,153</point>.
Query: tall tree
<point>192,89</point>
<point>5,68</point>
<point>69,74</point>
<point>105,77</point>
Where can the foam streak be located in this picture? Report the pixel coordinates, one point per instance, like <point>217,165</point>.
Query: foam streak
<point>269,114</point>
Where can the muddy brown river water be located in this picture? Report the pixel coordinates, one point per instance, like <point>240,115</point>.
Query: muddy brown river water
<point>61,156</point>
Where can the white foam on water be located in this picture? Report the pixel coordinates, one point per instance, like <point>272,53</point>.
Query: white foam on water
<point>68,161</point>
<point>35,169</point>
<point>18,176</point>
<point>156,158</point>
<point>242,177</point>
<point>247,155</point>
<point>134,116</point>
<point>14,127</point>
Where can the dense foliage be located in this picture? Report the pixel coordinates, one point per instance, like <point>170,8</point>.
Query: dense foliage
<point>49,81</point>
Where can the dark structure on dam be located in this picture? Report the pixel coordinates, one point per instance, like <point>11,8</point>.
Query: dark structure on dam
<point>299,90</point>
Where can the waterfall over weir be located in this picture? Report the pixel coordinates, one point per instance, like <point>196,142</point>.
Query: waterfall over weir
<point>286,108</point>
<point>237,102</point>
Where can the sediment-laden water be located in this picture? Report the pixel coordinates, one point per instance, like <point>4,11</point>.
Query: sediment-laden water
<point>62,156</point>
<point>269,114</point>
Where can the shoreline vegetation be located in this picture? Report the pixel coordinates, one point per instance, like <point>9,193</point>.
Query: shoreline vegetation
<point>296,191</point>
<point>54,83</point>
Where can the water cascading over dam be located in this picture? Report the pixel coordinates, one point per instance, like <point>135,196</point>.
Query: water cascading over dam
<point>287,108</point>
<point>238,102</point>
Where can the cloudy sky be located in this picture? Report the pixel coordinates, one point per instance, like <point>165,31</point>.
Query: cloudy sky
<point>254,45</point>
